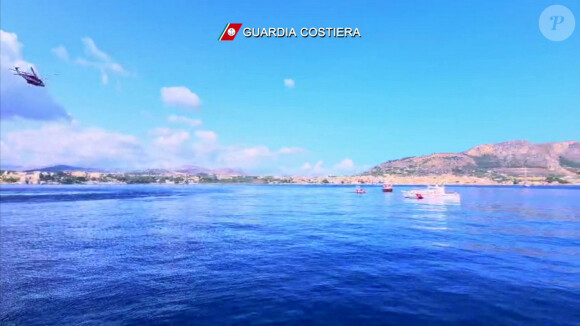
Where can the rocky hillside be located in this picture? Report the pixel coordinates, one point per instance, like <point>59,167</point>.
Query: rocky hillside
<point>511,158</point>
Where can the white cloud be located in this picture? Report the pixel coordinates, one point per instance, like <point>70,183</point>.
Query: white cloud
<point>289,83</point>
<point>206,145</point>
<point>169,138</point>
<point>245,157</point>
<point>313,170</point>
<point>185,120</point>
<point>98,59</point>
<point>208,150</point>
<point>180,96</point>
<point>169,148</point>
<point>206,135</point>
<point>61,52</point>
<point>318,169</point>
<point>11,47</point>
<point>92,50</point>
<point>8,154</point>
<point>346,165</point>
<point>160,131</point>
<point>69,143</point>
<point>173,148</point>
<point>19,99</point>
<point>73,144</point>
<point>291,150</point>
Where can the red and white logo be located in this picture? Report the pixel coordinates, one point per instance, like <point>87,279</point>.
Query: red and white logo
<point>230,32</point>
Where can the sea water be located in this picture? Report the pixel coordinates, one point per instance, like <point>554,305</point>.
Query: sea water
<point>262,254</point>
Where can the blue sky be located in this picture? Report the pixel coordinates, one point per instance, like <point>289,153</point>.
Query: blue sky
<point>424,77</point>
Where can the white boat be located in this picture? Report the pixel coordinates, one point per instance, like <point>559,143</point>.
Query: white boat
<point>431,192</point>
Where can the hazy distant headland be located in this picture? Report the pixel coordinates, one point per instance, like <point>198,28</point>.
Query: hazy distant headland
<point>500,163</point>
<point>508,163</point>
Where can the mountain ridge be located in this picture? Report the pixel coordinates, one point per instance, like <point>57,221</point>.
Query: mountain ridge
<point>63,168</point>
<point>186,169</point>
<point>510,158</point>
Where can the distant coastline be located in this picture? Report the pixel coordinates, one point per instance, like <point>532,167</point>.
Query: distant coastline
<point>515,162</point>
<point>89,177</point>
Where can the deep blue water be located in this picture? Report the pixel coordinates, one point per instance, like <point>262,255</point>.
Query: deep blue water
<point>233,254</point>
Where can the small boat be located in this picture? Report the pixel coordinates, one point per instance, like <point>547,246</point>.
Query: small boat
<point>431,192</point>
<point>388,187</point>
<point>359,190</point>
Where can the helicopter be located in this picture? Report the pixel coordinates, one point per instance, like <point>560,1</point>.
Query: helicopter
<point>31,78</point>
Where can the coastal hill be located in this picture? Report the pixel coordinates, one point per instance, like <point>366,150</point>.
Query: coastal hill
<point>511,158</point>
<point>63,168</point>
